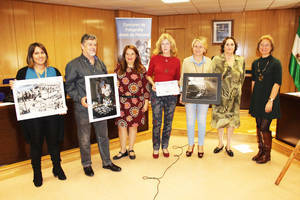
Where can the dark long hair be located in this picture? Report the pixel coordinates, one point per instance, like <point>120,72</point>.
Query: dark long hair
<point>138,67</point>
<point>224,42</point>
<point>31,49</point>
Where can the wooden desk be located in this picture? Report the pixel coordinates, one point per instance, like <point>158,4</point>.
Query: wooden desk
<point>13,147</point>
<point>246,93</point>
<point>288,126</point>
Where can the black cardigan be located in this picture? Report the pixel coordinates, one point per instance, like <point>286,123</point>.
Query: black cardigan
<point>27,124</point>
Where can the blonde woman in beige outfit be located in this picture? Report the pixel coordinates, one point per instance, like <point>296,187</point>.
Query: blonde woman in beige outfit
<point>197,63</point>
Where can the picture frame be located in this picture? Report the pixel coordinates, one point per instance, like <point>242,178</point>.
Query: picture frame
<point>41,97</point>
<point>221,29</point>
<point>201,88</point>
<point>102,97</point>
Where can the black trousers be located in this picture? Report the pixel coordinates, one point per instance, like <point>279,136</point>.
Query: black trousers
<point>41,128</point>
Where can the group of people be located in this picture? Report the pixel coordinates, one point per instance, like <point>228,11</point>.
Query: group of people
<point>137,86</point>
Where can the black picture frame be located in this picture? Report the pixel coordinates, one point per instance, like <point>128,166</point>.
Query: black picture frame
<point>201,88</point>
<point>221,29</point>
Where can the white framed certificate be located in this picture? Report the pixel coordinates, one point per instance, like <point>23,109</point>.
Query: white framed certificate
<point>166,88</point>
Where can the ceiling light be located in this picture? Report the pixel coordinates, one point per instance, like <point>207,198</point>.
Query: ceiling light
<point>175,1</point>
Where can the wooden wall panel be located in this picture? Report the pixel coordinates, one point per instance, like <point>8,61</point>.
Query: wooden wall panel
<point>8,49</point>
<point>252,34</point>
<point>44,29</point>
<point>92,24</point>
<point>107,39</point>
<point>205,27</point>
<point>78,28</point>
<point>24,28</point>
<point>62,35</point>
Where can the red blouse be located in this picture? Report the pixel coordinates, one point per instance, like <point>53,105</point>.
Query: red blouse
<point>164,68</point>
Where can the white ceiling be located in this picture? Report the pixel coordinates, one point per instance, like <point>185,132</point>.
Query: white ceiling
<point>157,7</point>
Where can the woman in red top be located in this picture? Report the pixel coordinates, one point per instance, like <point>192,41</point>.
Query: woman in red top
<point>134,95</point>
<point>164,66</point>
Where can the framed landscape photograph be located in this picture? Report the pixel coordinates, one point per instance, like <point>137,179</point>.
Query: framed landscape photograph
<point>201,88</point>
<point>221,30</point>
<point>39,97</point>
<point>102,97</point>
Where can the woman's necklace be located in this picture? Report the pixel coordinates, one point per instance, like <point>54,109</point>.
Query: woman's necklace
<point>38,74</point>
<point>260,72</point>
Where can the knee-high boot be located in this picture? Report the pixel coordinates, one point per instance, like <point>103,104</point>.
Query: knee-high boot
<point>267,146</point>
<point>260,145</point>
<point>37,173</point>
<point>57,170</point>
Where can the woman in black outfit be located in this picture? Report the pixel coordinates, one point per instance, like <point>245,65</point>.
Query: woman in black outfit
<point>50,127</point>
<point>264,106</point>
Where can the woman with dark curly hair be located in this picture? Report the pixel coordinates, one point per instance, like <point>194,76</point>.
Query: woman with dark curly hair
<point>134,95</point>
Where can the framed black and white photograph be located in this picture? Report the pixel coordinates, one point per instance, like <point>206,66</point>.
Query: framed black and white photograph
<point>102,97</point>
<point>221,30</point>
<point>201,88</point>
<point>39,97</point>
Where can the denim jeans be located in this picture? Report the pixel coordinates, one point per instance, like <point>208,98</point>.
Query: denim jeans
<point>84,135</point>
<point>160,104</point>
<point>193,111</point>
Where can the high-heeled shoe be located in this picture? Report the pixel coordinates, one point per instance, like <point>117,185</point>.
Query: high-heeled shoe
<point>189,153</point>
<point>166,154</point>
<point>155,155</point>
<point>200,154</point>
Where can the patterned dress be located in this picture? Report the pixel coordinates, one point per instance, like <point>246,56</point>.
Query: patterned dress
<point>227,114</point>
<point>133,91</point>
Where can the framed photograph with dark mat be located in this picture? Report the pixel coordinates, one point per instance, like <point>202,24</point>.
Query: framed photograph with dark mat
<point>102,97</point>
<point>41,97</point>
<point>221,29</point>
<point>201,88</point>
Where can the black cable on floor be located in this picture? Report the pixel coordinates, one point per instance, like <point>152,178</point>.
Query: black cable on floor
<point>165,171</point>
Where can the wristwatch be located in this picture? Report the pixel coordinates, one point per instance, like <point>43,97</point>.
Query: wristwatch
<point>271,99</point>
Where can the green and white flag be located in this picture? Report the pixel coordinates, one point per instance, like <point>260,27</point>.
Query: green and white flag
<point>295,60</point>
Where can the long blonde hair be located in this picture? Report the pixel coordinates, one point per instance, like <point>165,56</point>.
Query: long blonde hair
<point>162,37</point>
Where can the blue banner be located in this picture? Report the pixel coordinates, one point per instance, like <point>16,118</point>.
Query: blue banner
<point>137,32</point>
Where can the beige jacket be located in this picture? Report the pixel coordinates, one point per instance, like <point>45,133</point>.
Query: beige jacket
<point>189,67</point>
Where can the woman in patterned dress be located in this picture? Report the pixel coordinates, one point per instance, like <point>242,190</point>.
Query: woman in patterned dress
<point>227,114</point>
<point>134,95</point>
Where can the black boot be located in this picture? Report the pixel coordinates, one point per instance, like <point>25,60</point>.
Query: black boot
<point>267,146</point>
<point>260,145</point>
<point>37,174</point>
<point>58,171</point>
